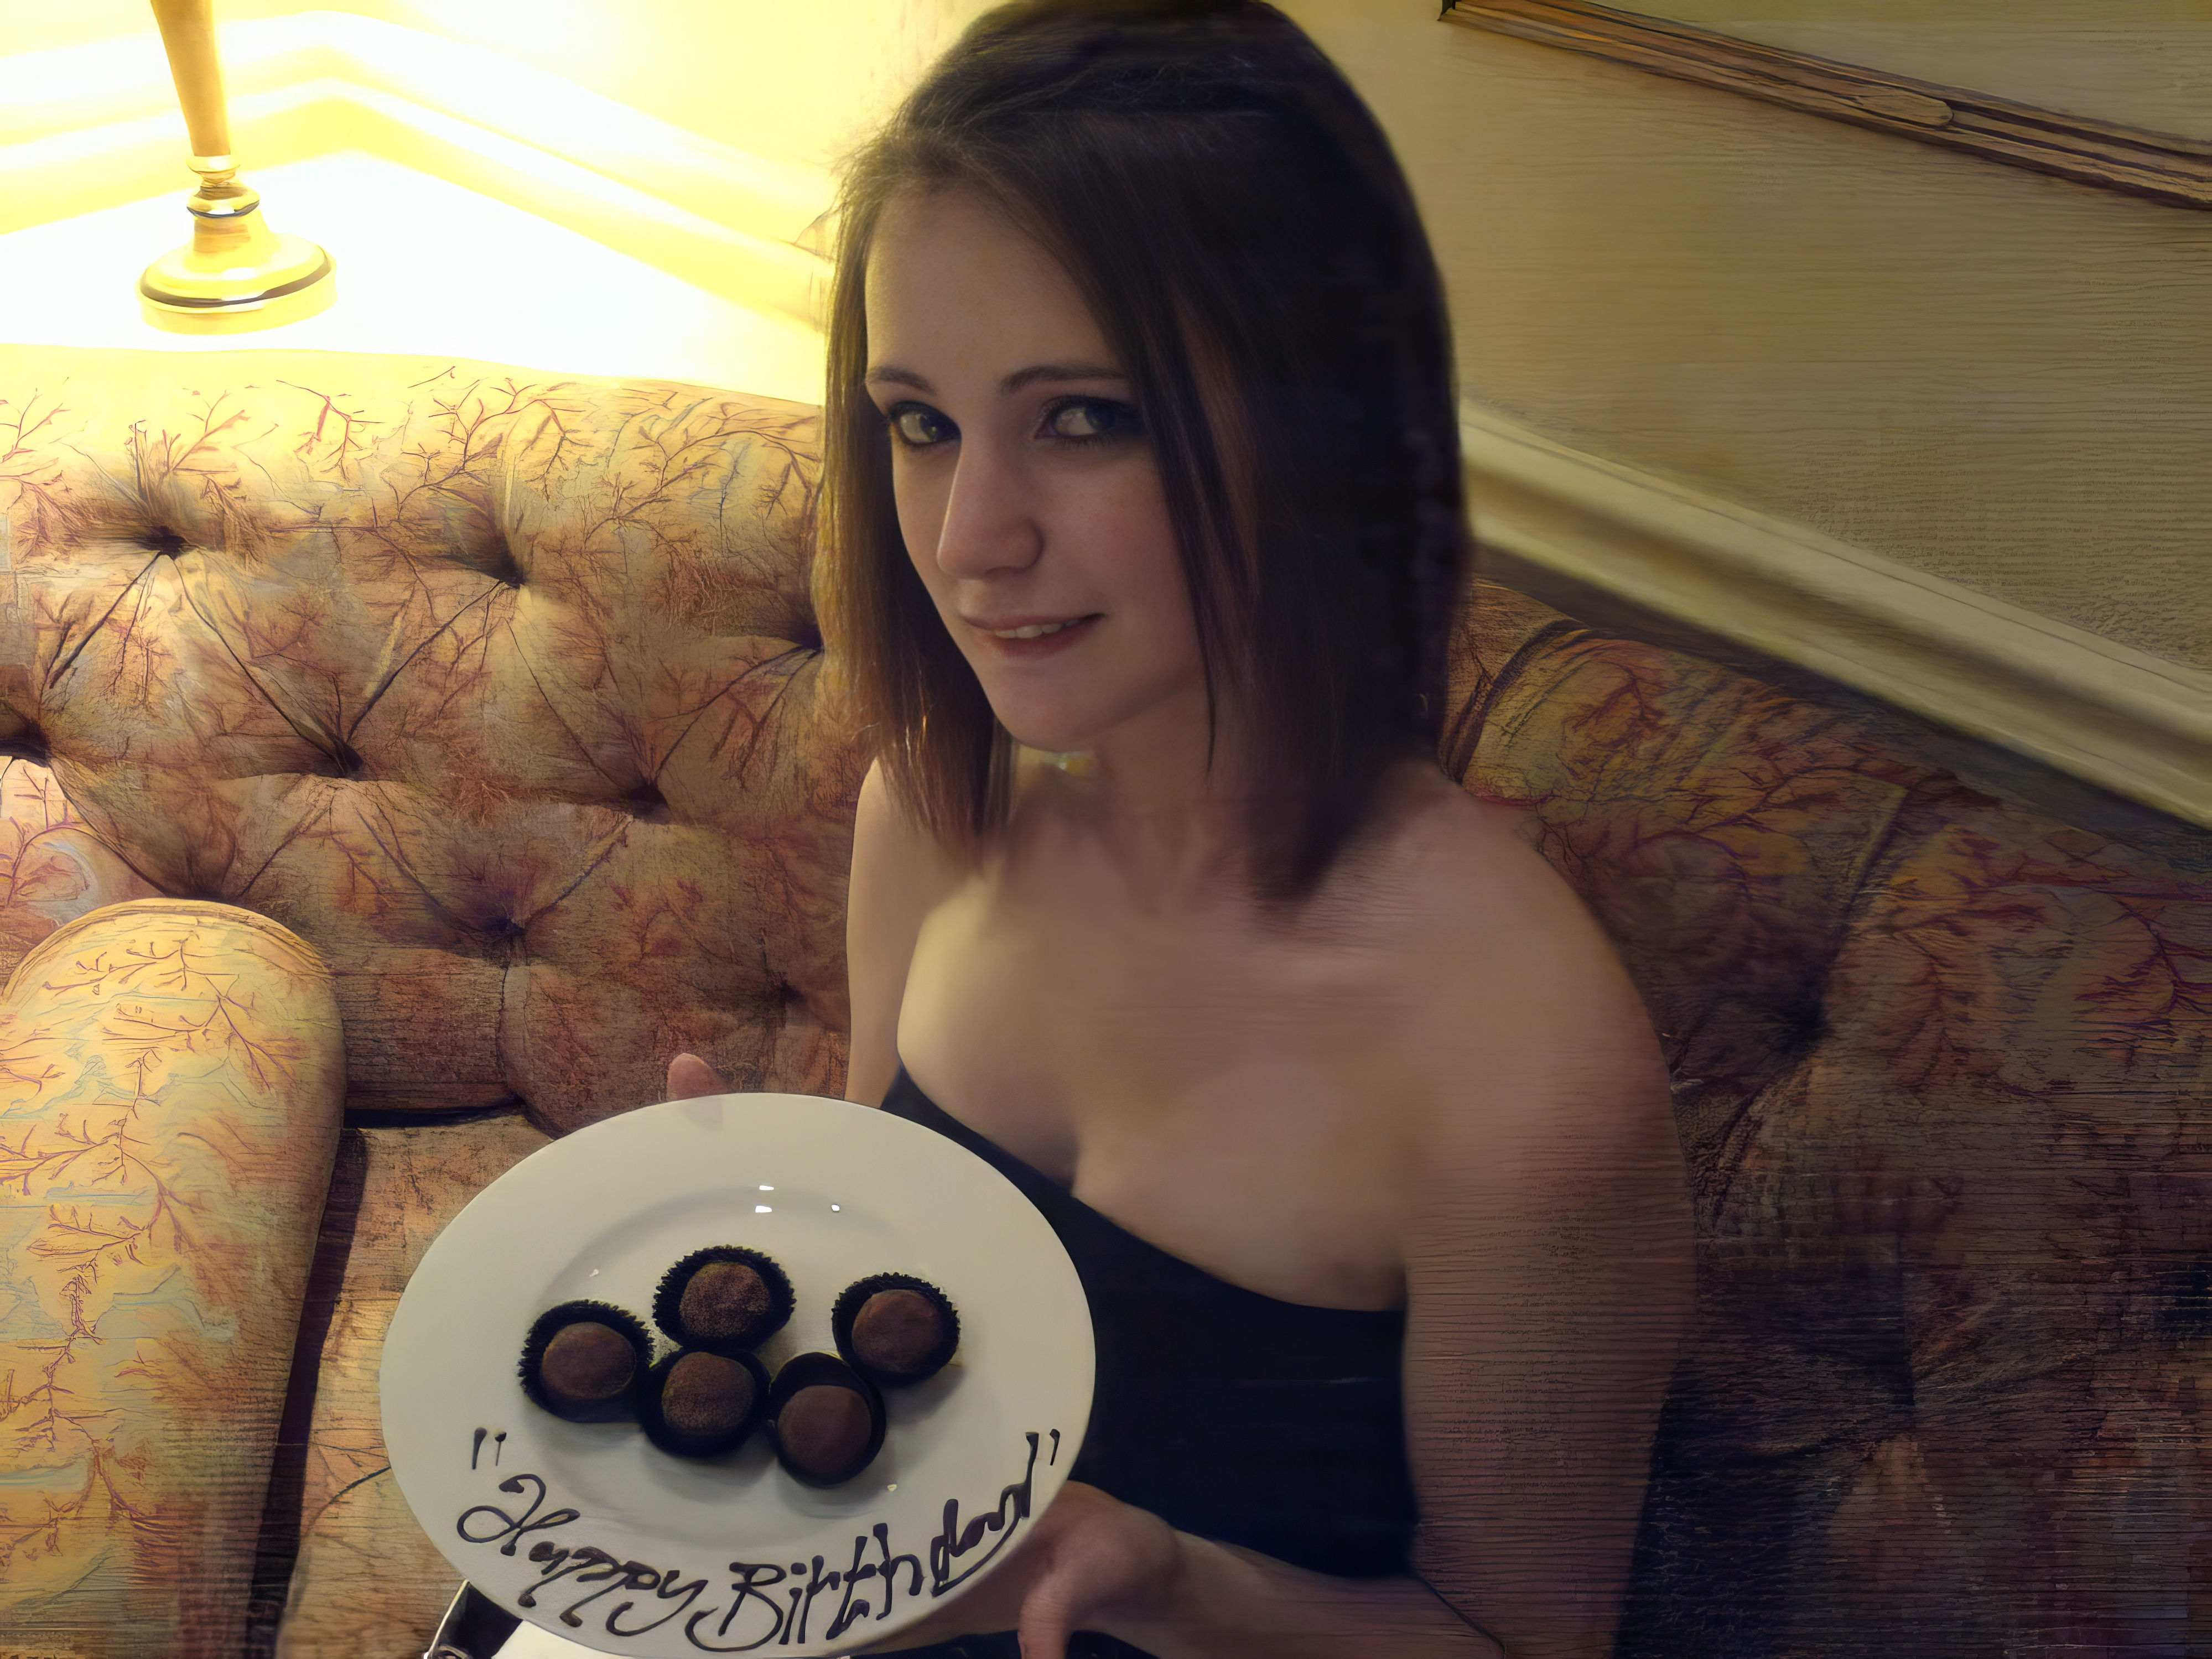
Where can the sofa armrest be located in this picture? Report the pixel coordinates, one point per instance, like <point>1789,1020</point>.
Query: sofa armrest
<point>171,1081</point>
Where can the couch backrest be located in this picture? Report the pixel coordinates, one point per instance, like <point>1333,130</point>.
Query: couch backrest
<point>502,691</point>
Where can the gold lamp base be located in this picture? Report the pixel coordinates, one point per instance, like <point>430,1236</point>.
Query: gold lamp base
<point>236,275</point>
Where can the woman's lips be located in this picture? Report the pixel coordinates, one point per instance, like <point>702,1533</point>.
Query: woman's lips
<point>1041,645</point>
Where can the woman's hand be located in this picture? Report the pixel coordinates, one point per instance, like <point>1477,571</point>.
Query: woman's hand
<point>1091,1562</point>
<point>1095,1562</point>
<point>690,1077</point>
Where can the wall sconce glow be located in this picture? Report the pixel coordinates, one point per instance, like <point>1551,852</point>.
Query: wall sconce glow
<point>235,274</point>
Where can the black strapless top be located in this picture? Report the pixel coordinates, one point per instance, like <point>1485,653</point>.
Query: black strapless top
<point>1270,1425</point>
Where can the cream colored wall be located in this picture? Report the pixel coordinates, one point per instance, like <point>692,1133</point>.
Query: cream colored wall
<point>797,79</point>
<point>38,26</point>
<point>1990,376</point>
<point>790,80</point>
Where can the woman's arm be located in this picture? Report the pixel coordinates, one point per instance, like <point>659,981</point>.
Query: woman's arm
<point>1549,1275</point>
<point>899,876</point>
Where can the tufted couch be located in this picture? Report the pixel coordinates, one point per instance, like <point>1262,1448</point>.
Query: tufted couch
<point>409,757</point>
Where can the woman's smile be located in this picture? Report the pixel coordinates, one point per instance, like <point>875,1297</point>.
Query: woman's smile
<point>1026,641</point>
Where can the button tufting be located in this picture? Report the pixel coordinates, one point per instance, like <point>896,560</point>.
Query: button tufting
<point>645,801</point>
<point>503,944</point>
<point>2187,1296</point>
<point>28,743</point>
<point>501,568</point>
<point>1797,1027</point>
<point>163,541</point>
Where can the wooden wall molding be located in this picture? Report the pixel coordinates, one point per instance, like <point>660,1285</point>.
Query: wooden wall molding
<point>2159,166</point>
<point>2128,721</point>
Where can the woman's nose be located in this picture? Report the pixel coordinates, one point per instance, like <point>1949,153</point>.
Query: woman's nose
<point>990,520</point>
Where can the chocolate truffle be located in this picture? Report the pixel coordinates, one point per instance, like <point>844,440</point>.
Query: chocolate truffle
<point>699,1404</point>
<point>723,1299</point>
<point>895,1329</point>
<point>829,1419</point>
<point>706,1395</point>
<point>588,1362</point>
<point>585,1360</point>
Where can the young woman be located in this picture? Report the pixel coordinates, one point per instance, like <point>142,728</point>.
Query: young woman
<point>1144,516</point>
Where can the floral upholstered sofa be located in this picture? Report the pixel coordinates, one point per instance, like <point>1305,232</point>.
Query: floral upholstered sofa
<point>409,757</point>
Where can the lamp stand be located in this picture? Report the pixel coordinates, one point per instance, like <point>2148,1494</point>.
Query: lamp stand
<point>235,274</point>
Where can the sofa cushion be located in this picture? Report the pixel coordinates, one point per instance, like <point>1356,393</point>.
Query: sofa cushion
<point>368,1583</point>
<point>504,693</point>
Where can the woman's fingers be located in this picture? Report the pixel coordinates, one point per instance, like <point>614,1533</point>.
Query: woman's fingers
<point>690,1077</point>
<point>1046,1624</point>
<point>1090,1559</point>
<point>1093,1560</point>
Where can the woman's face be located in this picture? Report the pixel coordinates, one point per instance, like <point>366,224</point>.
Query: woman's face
<point>1026,487</point>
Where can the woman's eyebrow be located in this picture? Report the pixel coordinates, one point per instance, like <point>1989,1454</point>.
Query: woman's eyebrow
<point>892,374</point>
<point>1022,377</point>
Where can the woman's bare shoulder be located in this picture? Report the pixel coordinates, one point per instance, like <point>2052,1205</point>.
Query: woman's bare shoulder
<point>1501,968</point>
<point>899,875</point>
<point>1445,863</point>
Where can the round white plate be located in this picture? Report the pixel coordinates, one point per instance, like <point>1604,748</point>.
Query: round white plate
<point>589,1531</point>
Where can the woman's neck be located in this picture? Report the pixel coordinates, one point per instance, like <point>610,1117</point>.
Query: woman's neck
<point>1173,817</point>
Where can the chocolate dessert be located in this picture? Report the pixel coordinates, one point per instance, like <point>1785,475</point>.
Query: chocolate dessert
<point>829,1419</point>
<point>723,1299</point>
<point>895,1329</point>
<point>698,1404</point>
<point>584,1361</point>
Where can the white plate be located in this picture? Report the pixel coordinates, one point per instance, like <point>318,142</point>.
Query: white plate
<point>589,1531</point>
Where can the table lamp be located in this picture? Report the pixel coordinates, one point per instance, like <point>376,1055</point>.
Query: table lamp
<point>235,274</point>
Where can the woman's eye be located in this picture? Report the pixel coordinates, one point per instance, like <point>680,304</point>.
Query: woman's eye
<point>1087,420</point>
<point>919,426</point>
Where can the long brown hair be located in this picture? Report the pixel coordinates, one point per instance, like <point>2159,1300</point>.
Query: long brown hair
<point>1236,220</point>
